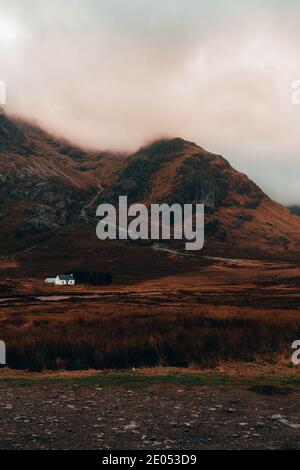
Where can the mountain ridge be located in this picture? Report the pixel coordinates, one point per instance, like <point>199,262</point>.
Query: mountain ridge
<point>47,185</point>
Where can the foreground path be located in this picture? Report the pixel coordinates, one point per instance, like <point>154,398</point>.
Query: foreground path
<point>146,416</point>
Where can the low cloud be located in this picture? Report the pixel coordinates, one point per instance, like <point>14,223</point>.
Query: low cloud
<point>111,76</point>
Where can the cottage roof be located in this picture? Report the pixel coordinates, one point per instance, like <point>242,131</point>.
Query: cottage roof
<point>65,277</point>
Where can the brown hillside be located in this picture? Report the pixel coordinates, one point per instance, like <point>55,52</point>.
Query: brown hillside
<point>49,186</point>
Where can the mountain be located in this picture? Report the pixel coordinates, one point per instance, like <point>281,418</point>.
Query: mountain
<point>50,190</point>
<point>295,210</point>
<point>240,217</point>
<point>45,182</point>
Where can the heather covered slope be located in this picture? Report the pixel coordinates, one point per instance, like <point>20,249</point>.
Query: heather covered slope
<point>45,182</point>
<point>239,216</point>
<point>48,186</point>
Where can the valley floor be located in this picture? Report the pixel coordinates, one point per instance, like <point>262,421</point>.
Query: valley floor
<point>148,411</point>
<point>229,326</point>
<point>230,310</point>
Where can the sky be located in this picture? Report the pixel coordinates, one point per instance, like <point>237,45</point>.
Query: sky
<point>117,74</point>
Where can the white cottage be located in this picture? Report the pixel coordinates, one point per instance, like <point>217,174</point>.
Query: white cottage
<point>65,279</point>
<point>61,280</point>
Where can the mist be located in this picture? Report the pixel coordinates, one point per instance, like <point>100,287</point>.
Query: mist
<point>116,75</point>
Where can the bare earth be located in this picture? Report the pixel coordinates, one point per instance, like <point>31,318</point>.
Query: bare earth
<point>147,416</point>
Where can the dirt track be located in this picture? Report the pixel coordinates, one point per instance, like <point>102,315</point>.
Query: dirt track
<point>157,416</point>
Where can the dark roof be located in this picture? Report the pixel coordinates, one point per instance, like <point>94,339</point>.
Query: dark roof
<point>65,277</point>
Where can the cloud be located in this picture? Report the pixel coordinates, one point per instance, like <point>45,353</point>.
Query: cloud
<point>115,74</point>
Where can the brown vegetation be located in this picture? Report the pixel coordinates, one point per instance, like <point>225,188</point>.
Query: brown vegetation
<point>148,338</point>
<point>225,312</point>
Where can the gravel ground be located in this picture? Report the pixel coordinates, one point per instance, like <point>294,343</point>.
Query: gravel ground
<point>163,416</point>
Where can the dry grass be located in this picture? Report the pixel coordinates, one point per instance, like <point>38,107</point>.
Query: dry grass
<point>119,335</point>
<point>220,315</point>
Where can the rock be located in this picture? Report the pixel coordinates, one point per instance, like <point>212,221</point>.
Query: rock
<point>131,426</point>
<point>289,423</point>
<point>276,417</point>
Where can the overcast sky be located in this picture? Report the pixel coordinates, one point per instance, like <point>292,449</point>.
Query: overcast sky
<point>118,73</point>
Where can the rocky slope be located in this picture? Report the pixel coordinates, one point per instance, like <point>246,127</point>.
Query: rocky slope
<point>48,185</point>
<point>239,216</point>
<point>45,182</point>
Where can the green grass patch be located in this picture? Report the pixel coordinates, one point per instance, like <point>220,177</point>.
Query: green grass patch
<point>138,380</point>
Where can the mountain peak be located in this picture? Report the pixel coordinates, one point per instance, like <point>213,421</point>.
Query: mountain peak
<point>165,145</point>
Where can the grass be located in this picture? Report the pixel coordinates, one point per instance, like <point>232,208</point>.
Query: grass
<point>151,327</point>
<point>124,378</point>
<point>142,339</point>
